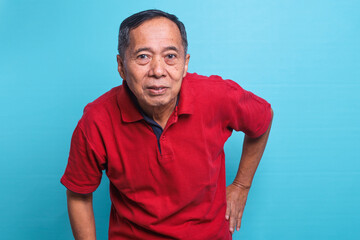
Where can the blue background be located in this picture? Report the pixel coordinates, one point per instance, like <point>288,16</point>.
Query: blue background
<point>302,56</point>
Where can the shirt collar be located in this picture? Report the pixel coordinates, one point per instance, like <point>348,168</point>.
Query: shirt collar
<point>186,97</point>
<point>129,110</point>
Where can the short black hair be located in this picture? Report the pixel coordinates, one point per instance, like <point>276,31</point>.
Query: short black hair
<point>137,19</point>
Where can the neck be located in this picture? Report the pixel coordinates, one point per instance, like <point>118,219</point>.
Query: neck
<point>160,114</point>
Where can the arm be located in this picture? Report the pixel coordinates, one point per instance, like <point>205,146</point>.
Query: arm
<point>237,192</point>
<point>81,215</point>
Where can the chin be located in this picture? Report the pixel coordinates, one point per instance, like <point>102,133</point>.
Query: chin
<point>158,102</point>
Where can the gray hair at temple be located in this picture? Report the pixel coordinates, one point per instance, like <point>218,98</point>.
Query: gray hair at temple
<point>137,19</point>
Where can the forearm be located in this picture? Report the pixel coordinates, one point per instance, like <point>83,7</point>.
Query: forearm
<point>237,192</point>
<point>81,215</point>
<point>253,149</point>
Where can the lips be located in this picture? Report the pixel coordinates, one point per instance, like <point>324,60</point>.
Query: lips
<point>157,90</point>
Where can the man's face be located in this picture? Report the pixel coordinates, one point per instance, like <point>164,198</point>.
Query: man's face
<point>154,63</point>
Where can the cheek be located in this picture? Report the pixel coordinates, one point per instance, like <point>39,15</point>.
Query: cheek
<point>135,77</point>
<point>177,86</point>
<point>134,84</point>
<point>177,71</point>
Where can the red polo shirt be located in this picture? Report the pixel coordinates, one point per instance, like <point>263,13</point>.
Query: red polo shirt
<point>180,192</point>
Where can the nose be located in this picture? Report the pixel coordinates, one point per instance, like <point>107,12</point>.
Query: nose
<point>157,67</point>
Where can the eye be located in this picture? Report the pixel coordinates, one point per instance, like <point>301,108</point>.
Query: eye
<point>142,56</point>
<point>171,56</point>
<point>142,59</point>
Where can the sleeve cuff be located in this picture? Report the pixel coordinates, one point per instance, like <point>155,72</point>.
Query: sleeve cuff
<point>266,124</point>
<point>75,188</point>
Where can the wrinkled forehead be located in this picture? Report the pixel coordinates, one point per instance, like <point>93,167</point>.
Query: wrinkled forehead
<point>155,31</point>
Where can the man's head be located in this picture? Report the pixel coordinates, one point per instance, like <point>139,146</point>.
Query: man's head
<point>152,57</point>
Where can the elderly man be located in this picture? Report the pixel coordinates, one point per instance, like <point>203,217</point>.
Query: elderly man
<point>159,137</point>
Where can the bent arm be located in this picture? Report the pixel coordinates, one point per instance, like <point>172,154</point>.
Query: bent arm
<point>81,215</point>
<point>253,149</point>
<point>237,192</point>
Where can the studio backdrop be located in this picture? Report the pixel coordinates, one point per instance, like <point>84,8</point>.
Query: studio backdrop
<point>301,56</point>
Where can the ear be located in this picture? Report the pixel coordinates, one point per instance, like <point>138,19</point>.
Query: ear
<point>121,68</point>
<point>187,58</point>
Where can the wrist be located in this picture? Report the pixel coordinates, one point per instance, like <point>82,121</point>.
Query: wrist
<point>241,185</point>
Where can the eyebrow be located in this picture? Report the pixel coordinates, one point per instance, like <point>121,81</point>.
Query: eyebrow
<point>149,49</point>
<point>172,48</point>
<point>142,49</point>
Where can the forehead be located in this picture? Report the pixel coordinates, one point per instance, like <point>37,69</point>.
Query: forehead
<point>155,32</point>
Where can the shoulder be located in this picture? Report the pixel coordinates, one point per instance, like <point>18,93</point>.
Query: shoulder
<point>214,86</point>
<point>202,79</point>
<point>212,81</point>
<point>102,108</point>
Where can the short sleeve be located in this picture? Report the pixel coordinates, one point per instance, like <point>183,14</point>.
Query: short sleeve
<point>84,169</point>
<point>248,112</point>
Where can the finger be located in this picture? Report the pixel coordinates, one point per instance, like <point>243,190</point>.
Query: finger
<point>238,220</point>
<point>232,224</point>
<point>238,224</point>
<point>227,213</point>
<point>232,218</point>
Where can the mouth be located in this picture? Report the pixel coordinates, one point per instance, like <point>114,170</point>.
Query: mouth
<point>157,90</point>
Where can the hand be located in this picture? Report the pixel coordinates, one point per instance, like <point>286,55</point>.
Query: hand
<point>236,195</point>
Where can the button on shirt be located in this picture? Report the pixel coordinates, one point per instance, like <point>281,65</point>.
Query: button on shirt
<point>178,193</point>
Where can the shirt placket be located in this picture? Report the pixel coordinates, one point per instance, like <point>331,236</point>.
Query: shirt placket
<point>167,154</point>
